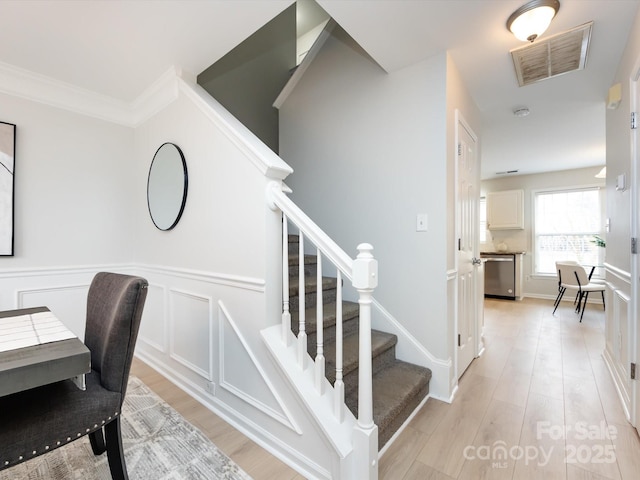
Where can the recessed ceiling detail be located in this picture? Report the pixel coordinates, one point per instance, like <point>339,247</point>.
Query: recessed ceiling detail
<point>556,55</point>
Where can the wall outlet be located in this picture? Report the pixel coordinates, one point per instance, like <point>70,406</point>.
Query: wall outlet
<point>421,222</point>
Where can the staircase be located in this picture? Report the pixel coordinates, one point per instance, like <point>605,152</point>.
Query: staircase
<point>398,387</point>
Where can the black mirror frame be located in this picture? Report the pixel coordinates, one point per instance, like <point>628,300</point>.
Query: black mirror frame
<point>184,194</point>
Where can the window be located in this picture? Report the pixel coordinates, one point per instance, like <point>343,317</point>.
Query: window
<point>565,225</point>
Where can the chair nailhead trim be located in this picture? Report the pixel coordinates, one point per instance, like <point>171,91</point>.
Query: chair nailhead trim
<point>34,452</point>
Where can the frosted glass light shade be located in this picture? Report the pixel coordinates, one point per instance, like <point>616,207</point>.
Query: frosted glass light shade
<point>532,19</point>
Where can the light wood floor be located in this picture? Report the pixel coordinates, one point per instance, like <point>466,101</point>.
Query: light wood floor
<point>540,395</point>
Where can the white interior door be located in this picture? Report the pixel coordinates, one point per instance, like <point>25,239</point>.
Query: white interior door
<point>469,294</point>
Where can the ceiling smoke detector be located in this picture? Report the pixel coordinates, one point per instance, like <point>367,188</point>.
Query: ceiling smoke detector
<point>555,55</point>
<point>521,111</point>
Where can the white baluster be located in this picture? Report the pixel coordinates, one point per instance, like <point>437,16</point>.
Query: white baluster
<point>339,384</point>
<point>320,366</point>
<point>286,314</point>
<point>365,433</point>
<point>302,334</point>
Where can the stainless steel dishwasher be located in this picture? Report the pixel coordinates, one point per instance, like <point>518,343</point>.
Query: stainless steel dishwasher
<point>499,275</point>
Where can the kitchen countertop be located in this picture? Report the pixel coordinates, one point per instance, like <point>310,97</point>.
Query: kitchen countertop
<point>508,252</point>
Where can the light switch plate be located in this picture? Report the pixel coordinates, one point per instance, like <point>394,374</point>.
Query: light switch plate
<point>421,222</point>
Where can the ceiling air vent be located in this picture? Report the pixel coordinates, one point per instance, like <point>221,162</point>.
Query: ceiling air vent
<point>558,54</point>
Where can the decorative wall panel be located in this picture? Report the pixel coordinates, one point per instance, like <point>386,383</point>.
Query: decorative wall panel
<point>153,329</point>
<point>190,320</point>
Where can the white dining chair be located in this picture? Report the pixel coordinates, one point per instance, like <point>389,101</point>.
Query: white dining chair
<point>586,286</point>
<point>567,280</point>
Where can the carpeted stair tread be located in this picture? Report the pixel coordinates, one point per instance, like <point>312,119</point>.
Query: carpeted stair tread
<point>397,391</point>
<point>350,310</point>
<point>398,387</point>
<point>380,343</point>
<point>294,259</point>
<point>310,284</point>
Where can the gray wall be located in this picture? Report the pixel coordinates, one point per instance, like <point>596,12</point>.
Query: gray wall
<point>248,79</point>
<point>369,152</point>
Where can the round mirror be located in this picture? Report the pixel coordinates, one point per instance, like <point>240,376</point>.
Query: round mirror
<point>167,186</point>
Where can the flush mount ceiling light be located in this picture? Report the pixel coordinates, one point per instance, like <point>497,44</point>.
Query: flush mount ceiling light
<point>521,111</point>
<point>531,20</point>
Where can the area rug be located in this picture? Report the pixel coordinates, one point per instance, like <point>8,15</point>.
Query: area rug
<point>159,444</point>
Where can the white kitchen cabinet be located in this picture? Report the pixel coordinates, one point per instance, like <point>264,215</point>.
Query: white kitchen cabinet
<point>505,210</point>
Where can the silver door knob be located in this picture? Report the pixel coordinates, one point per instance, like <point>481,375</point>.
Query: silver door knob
<point>476,261</point>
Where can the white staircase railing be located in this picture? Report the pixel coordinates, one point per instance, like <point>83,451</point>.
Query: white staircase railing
<point>363,274</point>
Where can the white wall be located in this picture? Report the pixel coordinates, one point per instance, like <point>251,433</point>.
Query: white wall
<point>622,323</point>
<point>73,187</point>
<point>215,282</point>
<point>74,179</point>
<point>522,240</point>
<point>223,220</point>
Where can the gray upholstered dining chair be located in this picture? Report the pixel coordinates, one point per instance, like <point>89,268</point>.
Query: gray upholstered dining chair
<point>37,421</point>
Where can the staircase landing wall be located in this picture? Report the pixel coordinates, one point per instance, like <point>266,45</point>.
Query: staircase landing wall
<point>368,150</point>
<point>214,280</point>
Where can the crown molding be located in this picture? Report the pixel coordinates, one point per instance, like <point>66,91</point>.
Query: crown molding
<point>159,94</point>
<point>18,82</point>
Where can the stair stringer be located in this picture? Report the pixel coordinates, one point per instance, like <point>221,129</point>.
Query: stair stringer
<point>410,350</point>
<point>320,407</point>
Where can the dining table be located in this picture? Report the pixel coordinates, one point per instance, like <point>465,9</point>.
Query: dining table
<point>36,349</point>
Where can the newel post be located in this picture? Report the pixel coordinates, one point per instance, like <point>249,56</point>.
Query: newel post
<point>365,280</point>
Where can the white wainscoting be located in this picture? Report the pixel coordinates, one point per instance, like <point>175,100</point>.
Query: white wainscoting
<point>619,333</point>
<point>235,359</point>
<point>62,290</point>
<point>202,331</point>
<point>195,326</point>
<point>191,326</point>
<point>155,332</point>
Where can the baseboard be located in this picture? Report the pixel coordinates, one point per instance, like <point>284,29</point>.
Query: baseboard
<point>247,427</point>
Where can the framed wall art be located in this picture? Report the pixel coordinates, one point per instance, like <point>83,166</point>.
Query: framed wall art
<point>7,184</point>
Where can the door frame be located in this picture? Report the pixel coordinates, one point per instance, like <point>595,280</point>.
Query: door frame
<point>460,122</point>
<point>634,173</point>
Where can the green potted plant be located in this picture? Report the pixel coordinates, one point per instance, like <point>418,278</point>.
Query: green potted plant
<point>599,241</point>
